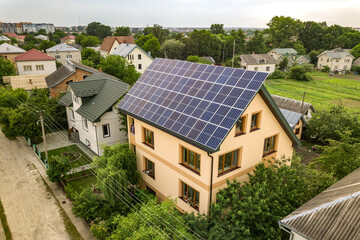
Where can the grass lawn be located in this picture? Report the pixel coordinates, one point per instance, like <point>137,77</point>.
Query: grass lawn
<point>80,183</point>
<point>84,159</point>
<point>322,91</point>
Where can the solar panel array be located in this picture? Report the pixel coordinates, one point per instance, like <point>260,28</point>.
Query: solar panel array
<point>196,101</point>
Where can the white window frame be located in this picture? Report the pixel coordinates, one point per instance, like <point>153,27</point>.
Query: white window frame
<point>108,130</point>
<point>87,142</point>
<point>68,56</point>
<point>40,68</point>
<point>85,124</point>
<point>72,115</point>
<point>27,68</point>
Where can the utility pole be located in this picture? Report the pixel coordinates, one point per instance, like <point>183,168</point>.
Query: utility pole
<point>43,132</point>
<point>232,65</point>
<point>302,104</point>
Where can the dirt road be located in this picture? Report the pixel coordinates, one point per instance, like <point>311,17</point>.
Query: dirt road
<point>31,210</point>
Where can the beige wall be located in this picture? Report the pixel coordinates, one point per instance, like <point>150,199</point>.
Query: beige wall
<point>49,67</point>
<point>335,64</point>
<point>10,56</point>
<point>300,127</point>
<point>145,60</point>
<point>75,56</point>
<point>275,55</point>
<point>166,156</point>
<point>259,67</point>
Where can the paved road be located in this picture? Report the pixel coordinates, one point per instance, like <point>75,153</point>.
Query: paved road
<point>31,211</point>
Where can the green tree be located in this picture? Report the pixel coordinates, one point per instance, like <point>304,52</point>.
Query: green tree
<point>79,38</point>
<point>122,31</point>
<point>58,168</point>
<point>42,32</point>
<point>197,59</point>
<point>313,56</point>
<point>99,30</point>
<point>157,31</point>
<point>46,44</point>
<point>149,43</point>
<point>173,49</point>
<point>30,39</point>
<point>299,73</point>
<point>356,51</point>
<point>119,67</point>
<point>310,35</point>
<point>7,68</point>
<point>300,48</point>
<point>283,63</point>
<point>341,157</point>
<point>60,33</point>
<point>257,43</point>
<point>88,54</point>
<point>89,41</point>
<point>281,29</point>
<point>217,28</point>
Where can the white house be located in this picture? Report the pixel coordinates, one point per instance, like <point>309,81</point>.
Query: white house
<point>279,53</point>
<point>258,62</point>
<point>42,37</point>
<point>337,60</point>
<point>134,54</point>
<point>62,51</point>
<point>110,43</point>
<point>91,111</point>
<point>34,62</point>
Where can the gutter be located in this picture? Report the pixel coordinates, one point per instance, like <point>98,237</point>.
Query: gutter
<point>286,230</point>
<point>211,179</point>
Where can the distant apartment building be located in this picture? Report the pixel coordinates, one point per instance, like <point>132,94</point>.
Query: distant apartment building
<point>62,51</point>
<point>26,27</point>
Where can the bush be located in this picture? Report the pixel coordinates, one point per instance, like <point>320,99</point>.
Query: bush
<point>58,167</point>
<point>308,67</point>
<point>70,192</point>
<point>325,69</point>
<point>356,69</point>
<point>278,74</point>
<point>299,73</point>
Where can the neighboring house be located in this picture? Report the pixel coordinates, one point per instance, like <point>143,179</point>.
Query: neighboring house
<point>112,42</point>
<point>296,121</point>
<point>194,126</point>
<point>62,51</point>
<point>20,38</point>
<point>134,54</point>
<point>258,62</point>
<point>27,82</point>
<point>9,52</point>
<point>42,37</point>
<point>5,39</point>
<point>208,59</point>
<point>279,53</point>
<point>333,214</point>
<point>69,39</point>
<point>299,59</point>
<point>34,62</point>
<point>91,111</point>
<point>356,62</point>
<point>337,60</point>
<point>58,81</point>
<point>305,108</point>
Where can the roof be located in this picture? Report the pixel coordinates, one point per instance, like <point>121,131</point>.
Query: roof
<point>28,82</point>
<point>356,62</point>
<point>33,55</point>
<point>66,100</point>
<point>99,93</point>
<point>292,118</point>
<point>125,49</point>
<point>307,57</point>
<point>337,53</point>
<point>200,110</point>
<point>292,104</point>
<point>4,38</point>
<point>109,41</point>
<point>254,59</point>
<point>14,35</point>
<point>41,36</point>
<point>66,71</point>
<point>8,48</point>
<point>62,47</point>
<point>209,59</point>
<point>68,36</point>
<point>283,51</point>
<point>333,214</point>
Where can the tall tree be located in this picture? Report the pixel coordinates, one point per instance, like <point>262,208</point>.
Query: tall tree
<point>149,43</point>
<point>98,29</point>
<point>173,49</point>
<point>257,43</point>
<point>122,31</point>
<point>217,28</point>
<point>89,41</point>
<point>356,51</point>
<point>310,35</point>
<point>7,68</point>
<point>158,31</point>
<point>282,29</point>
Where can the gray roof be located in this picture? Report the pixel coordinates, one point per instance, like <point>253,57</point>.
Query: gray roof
<point>125,49</point>
<point>356,62</point>
<point>62,47</point>
<point>66,100</point>
<point>8,48</point>
<point>292,104</point>
<point>254,59</point>
<point>292,118</point>
<point>283,51</point>
<point>337,53</point>
<point>99,93</point>
<point>4,38</point>
<point>333,214</point>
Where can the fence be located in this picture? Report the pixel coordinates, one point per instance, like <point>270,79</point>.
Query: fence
<point>38,155</point>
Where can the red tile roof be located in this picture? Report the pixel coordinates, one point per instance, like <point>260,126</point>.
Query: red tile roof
<point>68,36</point>
<point>109,41</point>
<point>33,55</point>
<point>14,35</point>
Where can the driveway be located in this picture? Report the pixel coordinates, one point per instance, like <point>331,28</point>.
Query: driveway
<point>32,212</point>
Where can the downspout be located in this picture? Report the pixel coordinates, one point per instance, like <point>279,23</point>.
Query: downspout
<point>97,142</point>
<point>211,179</point>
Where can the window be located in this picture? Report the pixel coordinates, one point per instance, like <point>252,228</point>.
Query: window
<point>345,67</point>
<point>87,142</point>
<point>240,127</point>
<point>76,99</point>
<point>5,57</point>
<point>85,125</point>
<point>337,60</point>
<point>27,68</point>
<point>228,161</point>
<point>139,56</point>
<point>68,56</point>
<point>39,67</point>
<point>256,68</point>
<point>190,159</point>
<point>297,131</point>
<point>149,168</point>
<point>130,57</point>
<point>57,57</point>
<point>268,69</point>
<point>139,66</point>
<point>132,126</point>
<point>106,130</point>
<point>72,117</point>
<point>149,137</point>
<point>133,148</point>
<point>262,61</point>
<point>190,196</point>
<point>255,121</point>
<point>269,145</point>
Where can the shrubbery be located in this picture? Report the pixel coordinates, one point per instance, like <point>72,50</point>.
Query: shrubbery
<point>277,74</point>
<point>325,69</point>
<point>299,73</point>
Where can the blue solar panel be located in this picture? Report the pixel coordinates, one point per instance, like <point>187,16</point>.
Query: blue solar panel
<point>195,101</point>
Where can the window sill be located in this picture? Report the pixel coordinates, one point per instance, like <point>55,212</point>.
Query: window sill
<point>191,205</point>
<point>227,171</point>
<point>269,153</point>
<point>149,145</point>
<point>239,134</point>
<point>191,169</point>
<point>254,129</point>
<point>150,175</point>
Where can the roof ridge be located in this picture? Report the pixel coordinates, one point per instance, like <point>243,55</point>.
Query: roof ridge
<point>323,206</point>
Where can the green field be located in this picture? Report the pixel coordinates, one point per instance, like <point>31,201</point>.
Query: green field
<point>323,91</point>
<point>84,159</point>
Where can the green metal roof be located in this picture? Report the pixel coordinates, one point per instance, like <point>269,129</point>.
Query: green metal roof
<point>284,51</point>
<point>90,88</point>
<point>66,100</point>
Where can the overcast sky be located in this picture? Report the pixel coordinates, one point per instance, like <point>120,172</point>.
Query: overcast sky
<point>179,13</point>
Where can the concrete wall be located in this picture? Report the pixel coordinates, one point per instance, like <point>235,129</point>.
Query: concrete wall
<point>260,67</point>
<point>166,155</point>
<point>49,67</point>
<point>145,60</point>
<point>335,64</point>
<point>75,56</point>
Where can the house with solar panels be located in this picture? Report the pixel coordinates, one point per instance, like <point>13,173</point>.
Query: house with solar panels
<point>194,126</point>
